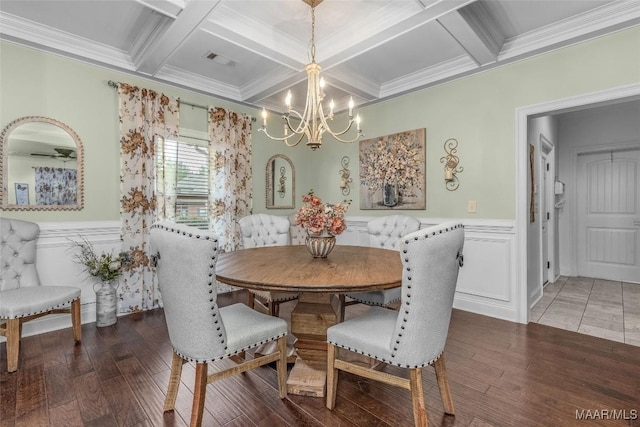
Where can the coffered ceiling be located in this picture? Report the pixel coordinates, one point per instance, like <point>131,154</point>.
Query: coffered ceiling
<point>253,51</point>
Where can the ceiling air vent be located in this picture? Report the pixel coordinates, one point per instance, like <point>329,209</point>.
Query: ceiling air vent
<point>222,60</point>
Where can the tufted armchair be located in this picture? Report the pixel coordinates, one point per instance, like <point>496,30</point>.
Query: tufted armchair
<point>297,233</point>
<point>266,230</point>
<point>22,298</point>
<point>415,336</point>
<point>199,330</point>
<point>386,232</point>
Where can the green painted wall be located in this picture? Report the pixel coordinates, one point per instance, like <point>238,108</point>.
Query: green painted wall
<point>479,111</point>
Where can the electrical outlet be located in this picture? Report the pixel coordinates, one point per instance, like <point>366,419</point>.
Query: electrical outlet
<point>471,206</point>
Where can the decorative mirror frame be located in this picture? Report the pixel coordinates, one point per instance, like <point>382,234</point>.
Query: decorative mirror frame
<point>270,187</point>
<point>4,166</point>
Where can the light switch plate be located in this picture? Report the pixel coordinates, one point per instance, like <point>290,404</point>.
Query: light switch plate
<point>471,206</point>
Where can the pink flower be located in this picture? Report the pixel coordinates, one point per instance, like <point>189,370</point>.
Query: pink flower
<point>337,226</point>
<point>316,217</point>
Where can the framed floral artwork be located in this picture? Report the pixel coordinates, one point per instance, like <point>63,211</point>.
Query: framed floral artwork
<point>392,171</point>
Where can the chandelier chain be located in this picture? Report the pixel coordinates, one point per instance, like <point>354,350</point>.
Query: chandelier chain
<point>313,34</point>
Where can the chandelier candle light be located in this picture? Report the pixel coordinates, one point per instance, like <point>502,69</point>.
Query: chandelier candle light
<point>313,122</point>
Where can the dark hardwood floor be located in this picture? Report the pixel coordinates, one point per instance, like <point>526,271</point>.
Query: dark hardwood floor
<point>501,374</point>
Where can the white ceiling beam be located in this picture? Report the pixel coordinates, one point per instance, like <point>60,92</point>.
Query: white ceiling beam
<point>159,51</point>
<point>284,54</point>
<point>170,8</point>
<point>471,35</point>
<point>429,14</point>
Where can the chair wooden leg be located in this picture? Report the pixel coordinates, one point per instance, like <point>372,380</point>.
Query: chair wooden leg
<point>251,299</point>
<point>174,382</point>
<point>76,320</point>
<point>273,308</point>
<point>443,385</point>
<point>282,367</point>
<point>199,391</point>
<point>13,343</point>
<point>332,376</point>
<point>342,300</point>
<point>417,398</point>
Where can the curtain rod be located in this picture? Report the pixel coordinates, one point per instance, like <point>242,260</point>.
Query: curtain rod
<point>115,85</point>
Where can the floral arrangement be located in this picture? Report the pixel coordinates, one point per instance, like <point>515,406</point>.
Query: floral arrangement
<point>317,217</point>
<point>105,266</point>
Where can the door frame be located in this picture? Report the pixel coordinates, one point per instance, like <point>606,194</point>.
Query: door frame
<point>547,156</point>
<point>579,102</point>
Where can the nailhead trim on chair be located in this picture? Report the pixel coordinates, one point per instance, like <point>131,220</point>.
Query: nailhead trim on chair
<point>61,305</point>
<point>406,312</point>
<point>214,306</point>
<point>408,302</point>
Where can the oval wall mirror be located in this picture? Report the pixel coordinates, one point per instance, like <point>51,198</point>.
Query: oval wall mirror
<point>42,165</point>
<point>281,183</point>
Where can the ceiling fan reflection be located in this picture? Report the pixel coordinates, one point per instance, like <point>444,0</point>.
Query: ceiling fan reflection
<point>61,153</point>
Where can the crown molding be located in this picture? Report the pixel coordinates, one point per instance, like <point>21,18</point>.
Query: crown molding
<point>442,71</point>
<point>270,84</point>
<point>584,26</point>
<point>60,41</point>
<point>197,82</point>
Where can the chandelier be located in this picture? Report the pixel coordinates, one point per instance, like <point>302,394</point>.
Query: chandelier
<point>313,123</point>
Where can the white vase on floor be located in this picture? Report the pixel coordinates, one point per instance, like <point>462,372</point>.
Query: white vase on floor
<point>106,303</point>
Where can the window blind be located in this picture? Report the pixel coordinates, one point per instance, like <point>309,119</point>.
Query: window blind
<point>186,168</point>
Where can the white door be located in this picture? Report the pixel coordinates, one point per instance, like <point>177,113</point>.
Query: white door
<point>608,202</point>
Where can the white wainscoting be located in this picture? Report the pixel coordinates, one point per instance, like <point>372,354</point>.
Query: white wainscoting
<point>56,267</point>
<point>486,284</point>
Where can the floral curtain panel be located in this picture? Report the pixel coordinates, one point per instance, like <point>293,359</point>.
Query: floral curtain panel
<point>166,192</point>
<point>145,116</point>
<point>230,194</point>
<point>56,186</point>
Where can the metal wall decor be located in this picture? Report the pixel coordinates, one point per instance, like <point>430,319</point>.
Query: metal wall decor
<point>451,164</point>
<point>345,178</point>
<point>282,189</point>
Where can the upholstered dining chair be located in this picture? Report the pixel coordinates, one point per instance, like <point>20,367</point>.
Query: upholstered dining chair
<point>199,330</point>
<point>297,233</point>
<point>414,336</point>
<point>22,297</point>
<point>266,230</point>
<point>386,232</point>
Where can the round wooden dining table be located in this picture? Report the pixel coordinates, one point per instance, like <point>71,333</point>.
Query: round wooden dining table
<point>347,269</point>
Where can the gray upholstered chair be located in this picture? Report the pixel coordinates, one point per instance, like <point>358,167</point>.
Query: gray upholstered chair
<point>266,230</point>
<point>22,297</point>
<point>415,336</point>
<point>386,232</point>
<point>199,330</point>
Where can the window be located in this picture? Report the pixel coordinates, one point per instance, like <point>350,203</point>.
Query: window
<point>183,171</point>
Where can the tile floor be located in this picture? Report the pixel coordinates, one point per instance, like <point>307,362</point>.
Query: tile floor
<point>601,308</point>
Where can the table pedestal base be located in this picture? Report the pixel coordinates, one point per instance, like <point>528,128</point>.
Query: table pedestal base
<point>310,319</point>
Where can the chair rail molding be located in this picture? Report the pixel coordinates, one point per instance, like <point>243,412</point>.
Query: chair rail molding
<point>486,283</point>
